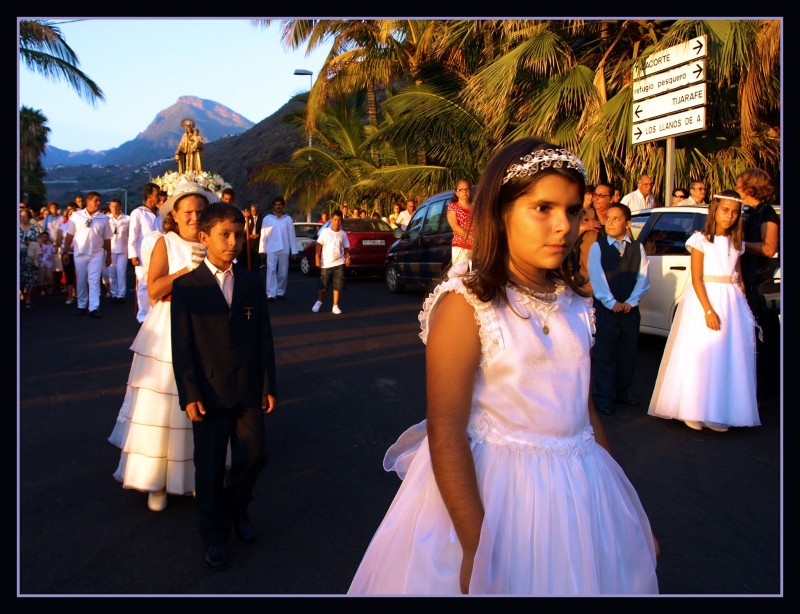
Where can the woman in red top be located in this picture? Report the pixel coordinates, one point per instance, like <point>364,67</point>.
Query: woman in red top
<point>459,214</point>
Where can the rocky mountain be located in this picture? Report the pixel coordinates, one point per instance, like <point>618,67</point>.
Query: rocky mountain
<point>235,158</point>
<point>161,137</point>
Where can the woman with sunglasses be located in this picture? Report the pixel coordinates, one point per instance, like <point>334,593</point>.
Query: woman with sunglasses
<point>678,194</point>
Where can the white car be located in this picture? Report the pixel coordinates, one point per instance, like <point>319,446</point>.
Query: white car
<point>304,233</point>
<point>663,231</point>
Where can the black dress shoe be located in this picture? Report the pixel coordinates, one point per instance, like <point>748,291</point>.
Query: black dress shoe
<point>95,314</point>
<point>215,558</point>
<point>605,408</point>
<point>627,400</point>
<point>81,312</point>
<point>244,531</point>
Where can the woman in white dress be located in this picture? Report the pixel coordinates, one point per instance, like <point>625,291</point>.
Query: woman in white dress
<point>154,434</point>
<point>508,486</point>
<point>707,372</point>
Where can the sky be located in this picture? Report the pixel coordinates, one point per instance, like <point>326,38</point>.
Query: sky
<point>144,65</point>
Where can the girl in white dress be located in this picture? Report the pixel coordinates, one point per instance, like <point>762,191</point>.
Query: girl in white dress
<point>508,486</point>
<point>707,372</point>
<point>154,434</point>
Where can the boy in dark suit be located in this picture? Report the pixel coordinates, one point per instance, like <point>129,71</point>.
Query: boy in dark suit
<point>618,274</point>
<point>224,364</point>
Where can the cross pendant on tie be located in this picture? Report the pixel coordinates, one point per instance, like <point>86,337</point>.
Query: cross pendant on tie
<point>248,311</point>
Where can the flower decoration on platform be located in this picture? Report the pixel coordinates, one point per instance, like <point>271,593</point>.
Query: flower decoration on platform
<point>210,181</point>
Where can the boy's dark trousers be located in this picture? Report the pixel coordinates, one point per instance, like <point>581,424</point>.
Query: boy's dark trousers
<point>222,506</point>
<point>614,352</point>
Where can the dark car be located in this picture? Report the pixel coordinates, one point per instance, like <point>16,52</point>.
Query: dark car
<point>424,250</point>
<point>369,239</point>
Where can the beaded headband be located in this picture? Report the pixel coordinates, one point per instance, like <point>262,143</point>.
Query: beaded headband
<point>540,159</point>
<point>720,196</point>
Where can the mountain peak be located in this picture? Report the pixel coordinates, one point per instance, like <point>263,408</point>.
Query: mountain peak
<point>160,138</point>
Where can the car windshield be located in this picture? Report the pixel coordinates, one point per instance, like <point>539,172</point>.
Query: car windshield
<point>301,230</point>
<point>365,225</point>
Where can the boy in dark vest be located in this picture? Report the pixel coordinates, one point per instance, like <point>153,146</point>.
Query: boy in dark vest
<point>618,274</point>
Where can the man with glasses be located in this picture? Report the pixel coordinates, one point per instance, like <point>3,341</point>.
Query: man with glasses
<point>697,195</point>
<point>641,198</point>
<point>601,200</point>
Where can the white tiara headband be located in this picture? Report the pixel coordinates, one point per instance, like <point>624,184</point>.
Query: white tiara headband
<point>720,196</point>
<point>540,159</point>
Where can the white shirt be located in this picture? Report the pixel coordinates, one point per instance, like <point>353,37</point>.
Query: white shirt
<point>333,244</point>
<point>691,202</point>
<point>636,201</point>
<point>88,232</point>
<point>119,233</point>
<point>222,278</point>
<point>403,218</point>
<point>277,235</point>
<point>142,222</point>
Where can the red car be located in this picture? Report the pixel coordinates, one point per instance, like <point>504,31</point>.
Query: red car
<point>369,238</point>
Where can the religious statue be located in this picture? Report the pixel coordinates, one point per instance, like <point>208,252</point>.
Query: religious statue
<point>194,156</point>
<point>182,153</point>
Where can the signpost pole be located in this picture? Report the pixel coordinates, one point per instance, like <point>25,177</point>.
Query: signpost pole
<point>669,171</point>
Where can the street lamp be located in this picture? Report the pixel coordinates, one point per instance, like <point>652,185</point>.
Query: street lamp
<point>303,71</point>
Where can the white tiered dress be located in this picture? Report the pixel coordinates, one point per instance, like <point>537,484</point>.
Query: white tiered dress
<point>561,518</point>
<point>154,434</point>
<point>707,375</point>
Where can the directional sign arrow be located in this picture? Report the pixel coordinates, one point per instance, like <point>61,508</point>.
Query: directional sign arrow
<point>638,111</point>
<point>698,71</point>
<point>698,47</point>
<point>637,132</point>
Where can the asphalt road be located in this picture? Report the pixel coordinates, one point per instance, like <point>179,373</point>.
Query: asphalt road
<point>349,385</point>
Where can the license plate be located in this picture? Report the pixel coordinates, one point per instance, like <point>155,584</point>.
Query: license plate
<point>373,242</point>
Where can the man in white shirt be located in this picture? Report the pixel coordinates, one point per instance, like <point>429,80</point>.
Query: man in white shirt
<point>404,217</point>
<point>697,195</point>
<point>143,220</point>
<point>642,197</point>
<point>278,242</point>
<point>119,251</point>
<point>88,233</point>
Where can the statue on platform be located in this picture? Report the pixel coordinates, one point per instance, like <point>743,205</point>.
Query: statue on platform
<point>182,153</point>
<point>194,157</point>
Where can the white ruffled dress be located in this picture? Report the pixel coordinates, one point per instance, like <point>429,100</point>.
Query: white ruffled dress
<point>706,375</point>
<point>154,434</point>
<point>561,518</point>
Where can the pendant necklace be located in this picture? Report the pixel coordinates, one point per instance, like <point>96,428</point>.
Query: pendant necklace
<point>548,302</point>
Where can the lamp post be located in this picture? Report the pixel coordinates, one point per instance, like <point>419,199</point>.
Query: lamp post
<point>303,72</point>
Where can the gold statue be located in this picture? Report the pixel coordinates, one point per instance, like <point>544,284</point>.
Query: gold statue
<point>182,153</point>
<point>194,156</point>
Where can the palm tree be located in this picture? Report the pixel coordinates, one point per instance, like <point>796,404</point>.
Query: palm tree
<point>32,142</point>
<point>42,48</point>
<point>466,87</point>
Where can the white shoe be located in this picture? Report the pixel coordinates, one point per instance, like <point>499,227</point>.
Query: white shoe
<point>336,310</point>
<point>157,501</point>
<point>68,301</point>
<point>719,428</point>
<point>697,426</point>
<point>316,306</point>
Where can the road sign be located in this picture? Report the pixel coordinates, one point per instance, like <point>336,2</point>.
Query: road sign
<point>670,80</point>
<point>670,103</point>
<point>682,122</point>
<point>671,57</point>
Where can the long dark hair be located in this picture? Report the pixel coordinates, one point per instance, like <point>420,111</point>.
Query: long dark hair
<point>489,275</point>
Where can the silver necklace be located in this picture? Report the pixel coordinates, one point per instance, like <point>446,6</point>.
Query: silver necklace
<point>548,302</point>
